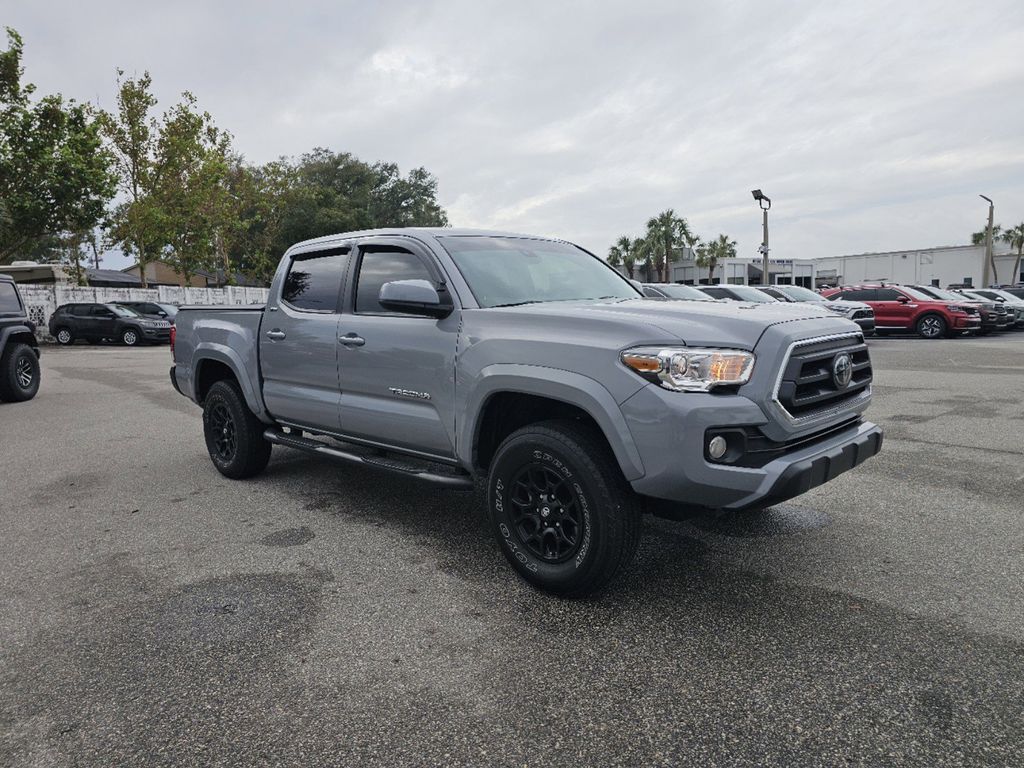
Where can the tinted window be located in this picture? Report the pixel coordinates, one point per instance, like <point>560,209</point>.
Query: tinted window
<point>381,266</point>
<point>653,292</point>
<point>99,310</point>
<point>887,294</point>
<point>9,303</point>
<point>718,293</point>
<point>314,280</point>
<point>862,294</point>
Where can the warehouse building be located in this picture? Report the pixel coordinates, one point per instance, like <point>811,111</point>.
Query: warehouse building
<point>950,265</point>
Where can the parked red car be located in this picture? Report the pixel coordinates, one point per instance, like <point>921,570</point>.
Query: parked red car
<point>902,308</point>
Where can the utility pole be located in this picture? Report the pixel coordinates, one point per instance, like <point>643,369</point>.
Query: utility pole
<point>765,203</point>
<point>989,264</point>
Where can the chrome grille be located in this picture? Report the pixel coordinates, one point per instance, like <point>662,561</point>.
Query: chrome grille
<point>808,386</point>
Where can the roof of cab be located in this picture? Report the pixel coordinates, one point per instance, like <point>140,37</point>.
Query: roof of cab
<point>420,232</point>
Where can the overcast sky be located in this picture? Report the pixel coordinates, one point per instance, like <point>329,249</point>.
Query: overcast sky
<point>873,126</point>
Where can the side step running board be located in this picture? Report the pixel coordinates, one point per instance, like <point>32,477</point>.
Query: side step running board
<point>462,482</point>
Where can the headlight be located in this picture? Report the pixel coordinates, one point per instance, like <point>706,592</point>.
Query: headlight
<point>839,310</point>
<point>685,369</point>
<point>956,308</point>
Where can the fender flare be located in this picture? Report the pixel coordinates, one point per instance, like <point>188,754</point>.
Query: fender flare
<point>557,384</point>
<point>221,353</point>
<point>6,333</point>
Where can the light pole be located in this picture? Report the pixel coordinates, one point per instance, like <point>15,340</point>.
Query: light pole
<point>988,243</point>
<point>765,203</point>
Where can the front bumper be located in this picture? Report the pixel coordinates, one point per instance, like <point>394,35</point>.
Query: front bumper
<point>867,324</point>
<point>669,430</point>
<point>967,322</point>
<point>157,334</point>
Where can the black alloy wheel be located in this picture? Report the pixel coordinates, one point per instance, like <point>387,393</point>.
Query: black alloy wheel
<point>546,513</point>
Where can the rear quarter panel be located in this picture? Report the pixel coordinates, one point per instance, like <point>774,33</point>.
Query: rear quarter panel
<point>227,335</point>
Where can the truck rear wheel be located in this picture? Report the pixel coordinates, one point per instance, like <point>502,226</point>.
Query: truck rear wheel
<point>561,510</point>
<point>19,373</point>
<point>234,436</point>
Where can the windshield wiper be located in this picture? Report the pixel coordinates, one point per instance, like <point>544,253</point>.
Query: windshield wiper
<point>516,304</point>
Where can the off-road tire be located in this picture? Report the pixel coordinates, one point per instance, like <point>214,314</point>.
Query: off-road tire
<point>589,480</point>
<point>248,453</point>
<point>64,336</point>
<point>931,326</point>
<point>19,373</point>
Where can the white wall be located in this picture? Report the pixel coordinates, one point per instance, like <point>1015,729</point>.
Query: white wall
<point>42,300</point>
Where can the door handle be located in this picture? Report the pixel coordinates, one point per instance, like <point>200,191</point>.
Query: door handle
<point>352,340</point>
<point>276,334</point>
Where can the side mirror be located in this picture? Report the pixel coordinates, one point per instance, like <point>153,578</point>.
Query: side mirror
<point>415,297</point>
<point>637,284</point>
<point>903,300</point>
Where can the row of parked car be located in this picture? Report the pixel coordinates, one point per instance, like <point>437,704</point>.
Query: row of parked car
<point>929,311</point>
<point>126,322</point>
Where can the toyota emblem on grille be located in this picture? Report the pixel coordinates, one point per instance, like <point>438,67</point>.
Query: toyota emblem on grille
<point>842,370</point>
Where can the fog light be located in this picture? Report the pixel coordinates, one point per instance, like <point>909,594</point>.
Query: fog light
<point>717,446</point>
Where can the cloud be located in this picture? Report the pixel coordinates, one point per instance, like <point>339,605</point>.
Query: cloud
<point>872,126</point>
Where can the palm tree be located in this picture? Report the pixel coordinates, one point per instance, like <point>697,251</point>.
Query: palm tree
<point>978,238</point>
<point>719,249</point>
<point>614,256</point>
<point>666,235</point>
<point>1015,237</point>
<point>627,250</point>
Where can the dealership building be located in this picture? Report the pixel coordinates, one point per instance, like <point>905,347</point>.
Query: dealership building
<point>951,265</point>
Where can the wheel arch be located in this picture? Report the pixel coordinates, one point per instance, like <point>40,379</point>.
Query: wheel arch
<point>508,397</point>
<point>214,362</point>
<point>18,334</point>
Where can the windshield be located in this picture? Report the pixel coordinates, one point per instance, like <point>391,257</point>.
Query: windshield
<point>122,311</point>
<point>170,309</point>
<point>505,271</point>
<point>946,295</point>
<point>919,295</point>
<point>798,293</point>
<point>992,292</point>
<point>683,292</point>
<point>972,297</point>
<point>746,293</point>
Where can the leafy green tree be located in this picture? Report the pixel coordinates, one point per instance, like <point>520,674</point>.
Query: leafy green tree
<point>55,175</point>
<point>710,253</point>
<point>614,257</point>
<point>132,134</point>
<point>1014,236</point>
<point>253,239</point>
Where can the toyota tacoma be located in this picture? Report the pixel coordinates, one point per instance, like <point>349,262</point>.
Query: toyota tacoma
<point>532,366</point>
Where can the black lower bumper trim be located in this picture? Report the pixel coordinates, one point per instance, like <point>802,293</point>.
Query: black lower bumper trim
<point>809,473</point>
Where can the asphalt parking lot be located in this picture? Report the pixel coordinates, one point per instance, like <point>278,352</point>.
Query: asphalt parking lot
<point>153,612</point>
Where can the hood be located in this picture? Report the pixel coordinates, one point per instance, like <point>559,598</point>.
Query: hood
<point>733,324</point>
<point>849,305</point>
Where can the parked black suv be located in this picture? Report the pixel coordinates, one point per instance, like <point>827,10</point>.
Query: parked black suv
<point>95,322</point>
<point>152,309</point>
<point>19,350</point>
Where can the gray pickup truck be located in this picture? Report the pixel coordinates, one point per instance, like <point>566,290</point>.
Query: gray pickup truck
<point>455,355</point>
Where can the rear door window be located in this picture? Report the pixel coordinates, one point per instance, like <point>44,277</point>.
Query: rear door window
<point>887,294</point>
<point>860,294</point>
<point>9,304</point>
<point>313,282</point>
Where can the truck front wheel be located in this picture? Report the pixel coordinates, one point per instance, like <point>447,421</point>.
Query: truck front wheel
<point>234,436</point>
<point>561,510</point>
